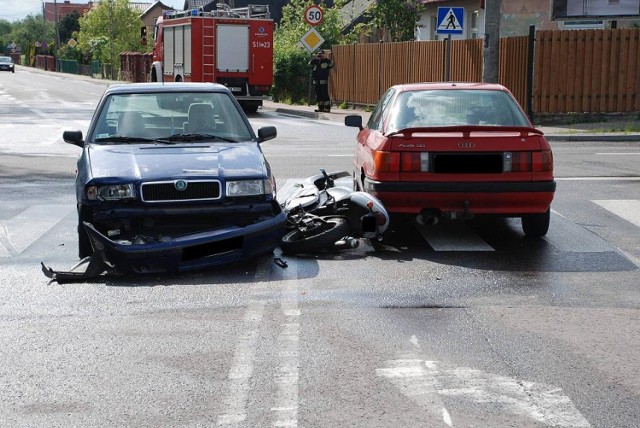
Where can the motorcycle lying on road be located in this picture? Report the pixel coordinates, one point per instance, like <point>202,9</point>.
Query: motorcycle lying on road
<point>323,216</point>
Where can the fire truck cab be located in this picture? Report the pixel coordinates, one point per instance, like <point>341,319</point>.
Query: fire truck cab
<point>233,47</point>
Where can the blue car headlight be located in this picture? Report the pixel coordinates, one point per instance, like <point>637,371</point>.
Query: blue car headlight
<point>249,188</point>
<point>111,192</point>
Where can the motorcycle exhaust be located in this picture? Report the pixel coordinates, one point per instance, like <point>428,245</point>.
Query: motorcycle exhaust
<point>346,244</point>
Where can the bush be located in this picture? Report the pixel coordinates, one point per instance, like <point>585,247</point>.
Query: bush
<point>290,75</point>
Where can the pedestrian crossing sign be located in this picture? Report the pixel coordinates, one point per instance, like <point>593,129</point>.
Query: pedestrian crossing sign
<point>450,20</point>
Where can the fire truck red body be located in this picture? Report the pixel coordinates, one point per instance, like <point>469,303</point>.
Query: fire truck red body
<point>233,47</point>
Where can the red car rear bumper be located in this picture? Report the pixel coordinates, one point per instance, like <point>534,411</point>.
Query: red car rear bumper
<point>511,198</point>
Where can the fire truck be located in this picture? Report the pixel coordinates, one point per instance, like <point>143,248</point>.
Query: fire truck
<point>233,47</point>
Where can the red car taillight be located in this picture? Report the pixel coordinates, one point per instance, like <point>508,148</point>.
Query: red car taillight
<point>542,161</point>
<point>401,161</point>
<point>415,162</point>
<point>386,161</point>
<point>528,161</point>
<point>520,162</point>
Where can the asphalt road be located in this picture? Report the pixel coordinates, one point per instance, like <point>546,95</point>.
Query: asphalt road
<point>464,324</point>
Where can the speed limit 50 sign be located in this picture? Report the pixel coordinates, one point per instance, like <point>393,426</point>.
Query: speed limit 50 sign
<point>313,15</point>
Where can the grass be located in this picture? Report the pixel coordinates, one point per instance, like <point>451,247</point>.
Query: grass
<point>604,128</point>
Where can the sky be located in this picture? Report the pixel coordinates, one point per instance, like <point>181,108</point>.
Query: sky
<point>15,10</point>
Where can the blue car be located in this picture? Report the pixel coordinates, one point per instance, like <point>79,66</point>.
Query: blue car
<point>172,178</point>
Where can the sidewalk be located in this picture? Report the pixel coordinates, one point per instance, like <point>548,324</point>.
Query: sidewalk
<point>596,131</point>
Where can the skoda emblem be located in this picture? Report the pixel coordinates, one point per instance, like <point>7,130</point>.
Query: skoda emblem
<point>181,185</point>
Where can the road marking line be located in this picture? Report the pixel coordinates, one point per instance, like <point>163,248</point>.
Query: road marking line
<point>414,341</point>
<point>446,417</point>
<point>28,226</point>
<point>597,178</point>
<point>39,113</point>
<point>410,377</point>
<point>453,236</point>
<point>425,382</point>
<point>242,367</point>
<point>4,244</point>
<point>627,209</point>
<point>617,154</point>
<point>288,373</point>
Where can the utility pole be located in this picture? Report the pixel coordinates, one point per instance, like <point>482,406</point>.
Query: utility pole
<point>112,56</point>
<point>55,8</point>
<point>491,62</point>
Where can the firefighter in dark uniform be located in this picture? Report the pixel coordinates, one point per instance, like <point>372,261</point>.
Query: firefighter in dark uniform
<point>320,67</point>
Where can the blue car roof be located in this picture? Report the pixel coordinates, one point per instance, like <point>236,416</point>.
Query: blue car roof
<point>154,87</point>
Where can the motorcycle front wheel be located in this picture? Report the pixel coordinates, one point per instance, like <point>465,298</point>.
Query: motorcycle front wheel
<point>324,232</point>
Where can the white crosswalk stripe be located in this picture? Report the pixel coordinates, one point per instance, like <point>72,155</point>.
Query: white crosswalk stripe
<point>28,226</point>
<point>626,209</point>
<point>453,237</point>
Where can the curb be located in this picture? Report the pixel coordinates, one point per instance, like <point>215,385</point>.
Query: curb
<point>312,114</point>
<point>593,138</point>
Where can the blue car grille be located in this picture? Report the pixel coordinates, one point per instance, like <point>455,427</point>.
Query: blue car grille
<point>168,191</point>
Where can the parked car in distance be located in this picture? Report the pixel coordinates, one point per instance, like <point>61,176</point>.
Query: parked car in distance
<point>6,64</point>
<point>172,178</point>
<point>455,150</point>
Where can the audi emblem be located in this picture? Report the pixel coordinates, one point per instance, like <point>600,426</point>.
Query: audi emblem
<point>466,145</point>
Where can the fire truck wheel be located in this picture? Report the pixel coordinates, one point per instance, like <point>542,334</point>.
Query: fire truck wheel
<point>249,107</point>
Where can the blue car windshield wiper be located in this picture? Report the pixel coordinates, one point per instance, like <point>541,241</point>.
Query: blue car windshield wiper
<point>123,139</point>
<point>195,137</point>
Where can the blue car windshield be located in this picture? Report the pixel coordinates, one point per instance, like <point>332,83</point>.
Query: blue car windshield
<point>169,117</point>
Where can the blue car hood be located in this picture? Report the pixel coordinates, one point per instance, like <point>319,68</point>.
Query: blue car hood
<point>148,162</point>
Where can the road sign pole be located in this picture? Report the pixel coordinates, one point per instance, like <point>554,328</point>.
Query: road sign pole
<point>310,91</point>
<point>450,21</point>
<point>447,59</point>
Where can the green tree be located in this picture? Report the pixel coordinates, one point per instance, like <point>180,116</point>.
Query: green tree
<point>5,30</point>
<point>291,74</point>
<point>68,24</point>
<point>108,29</point>
<point>397,17</point>
<point>32,31</point>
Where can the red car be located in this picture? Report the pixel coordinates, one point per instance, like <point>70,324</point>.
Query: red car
<point>455,150</point>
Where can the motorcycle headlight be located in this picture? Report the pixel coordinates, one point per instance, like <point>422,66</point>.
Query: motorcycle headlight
<point>249,188</point>
<point>111,193</point>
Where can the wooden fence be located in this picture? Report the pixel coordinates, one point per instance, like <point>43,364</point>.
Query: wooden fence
<point>584,71</point>
<point>587,71</point>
